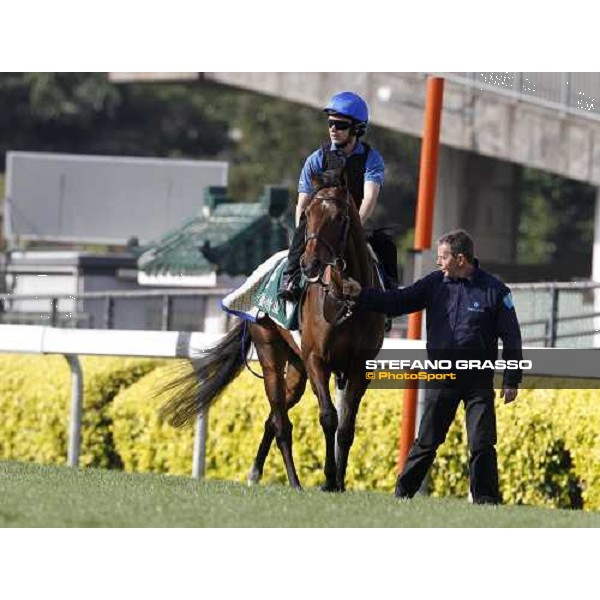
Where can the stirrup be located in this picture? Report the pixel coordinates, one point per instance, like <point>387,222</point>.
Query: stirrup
<point>387,324</point>
<point>290,289</point>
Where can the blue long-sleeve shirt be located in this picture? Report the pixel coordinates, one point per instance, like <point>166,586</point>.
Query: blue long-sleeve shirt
<point>468,314</point>
<point>374,168</point>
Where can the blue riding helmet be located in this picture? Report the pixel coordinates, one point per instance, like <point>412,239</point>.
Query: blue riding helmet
<point>349,104</point>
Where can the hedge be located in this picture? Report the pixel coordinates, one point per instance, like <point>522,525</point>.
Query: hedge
<point>35,399</point>
<point>549,442</point>
<point>236,424</point>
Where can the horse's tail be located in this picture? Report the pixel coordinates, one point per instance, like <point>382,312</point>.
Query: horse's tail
<point>193,390</point>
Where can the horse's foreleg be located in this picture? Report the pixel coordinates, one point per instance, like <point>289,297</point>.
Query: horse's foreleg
<point>319,378</point>
<point>342,409</point>
<point>295,384</point>
<point>348,401</point>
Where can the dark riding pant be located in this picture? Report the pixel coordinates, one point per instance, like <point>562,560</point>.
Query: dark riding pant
<point>382,244</point>
<point>384,247</point>
<point>440,409</point>
<point>296,247</point>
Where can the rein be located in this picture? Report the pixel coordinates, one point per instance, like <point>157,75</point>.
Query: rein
<point>338,262</point>
<point>336,308</point>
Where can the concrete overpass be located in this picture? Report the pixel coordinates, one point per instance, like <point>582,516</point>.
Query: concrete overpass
<point>491,124</point>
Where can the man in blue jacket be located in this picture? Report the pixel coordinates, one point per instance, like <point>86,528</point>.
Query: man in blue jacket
<point>468,310</point>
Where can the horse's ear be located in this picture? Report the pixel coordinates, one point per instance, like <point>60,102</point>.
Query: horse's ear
<point>334,178</point>
<point>316,180</point>
<point>338,177</point>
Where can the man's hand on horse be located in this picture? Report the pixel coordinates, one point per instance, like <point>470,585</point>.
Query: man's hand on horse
<point>350,288</point>
<point>509,394</point>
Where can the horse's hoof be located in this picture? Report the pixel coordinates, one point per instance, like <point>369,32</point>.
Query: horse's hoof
<point>254,477</point>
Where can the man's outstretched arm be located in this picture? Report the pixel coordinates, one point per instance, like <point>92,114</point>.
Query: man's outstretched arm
<point>390,302</point>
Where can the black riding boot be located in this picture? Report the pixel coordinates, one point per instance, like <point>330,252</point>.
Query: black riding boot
<point>385,249</point>
<point>290,281</point>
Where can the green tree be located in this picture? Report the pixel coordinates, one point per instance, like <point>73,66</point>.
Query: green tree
<point>557,219</point>
<point>85,113</point>
<point>273,138</point>
<point>266,140</point>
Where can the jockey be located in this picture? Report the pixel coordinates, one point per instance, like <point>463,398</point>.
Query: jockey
<point>348,116</point>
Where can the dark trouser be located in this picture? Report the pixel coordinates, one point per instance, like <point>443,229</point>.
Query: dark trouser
<point>296,247</point>
<point>440,410</point>
<point>383,245</point>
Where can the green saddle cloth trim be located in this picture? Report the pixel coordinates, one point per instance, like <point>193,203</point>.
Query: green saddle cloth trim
<point>265,299</point>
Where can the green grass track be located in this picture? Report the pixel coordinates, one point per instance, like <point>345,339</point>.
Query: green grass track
<point>49,496</point>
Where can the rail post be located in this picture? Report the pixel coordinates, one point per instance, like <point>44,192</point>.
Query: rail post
<point>199,457</point>
<point>553,326</point>
<point>74,443</point>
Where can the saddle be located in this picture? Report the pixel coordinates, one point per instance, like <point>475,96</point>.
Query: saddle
<point>257,296</point>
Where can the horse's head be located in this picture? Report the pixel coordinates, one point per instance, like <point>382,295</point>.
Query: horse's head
<point>327,226</point>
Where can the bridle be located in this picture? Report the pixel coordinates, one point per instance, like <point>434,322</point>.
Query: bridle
<point>336,308</point>
<point>337,261</point>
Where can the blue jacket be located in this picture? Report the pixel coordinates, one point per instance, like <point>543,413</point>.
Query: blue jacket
<point>462,314</point>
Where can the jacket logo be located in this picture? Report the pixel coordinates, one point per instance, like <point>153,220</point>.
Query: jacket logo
<point>475,308</point>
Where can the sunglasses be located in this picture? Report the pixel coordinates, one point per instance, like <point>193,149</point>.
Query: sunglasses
<point>339,125</point>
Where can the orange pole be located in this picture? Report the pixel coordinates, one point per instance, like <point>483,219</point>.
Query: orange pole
<point>429,162</point>
<point>423,233</point>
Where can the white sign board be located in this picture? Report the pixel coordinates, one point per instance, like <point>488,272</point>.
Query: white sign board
<point>102,199</point>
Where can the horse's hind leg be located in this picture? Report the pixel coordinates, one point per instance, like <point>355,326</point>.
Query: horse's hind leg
<point>256,471</point>
<point>272,353</point>
<point>295,384</point>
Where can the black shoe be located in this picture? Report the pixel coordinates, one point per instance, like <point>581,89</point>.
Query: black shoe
<point>290,287</point>
<point>400,495</point>
<point>400,492</point>
<point>493,501</point>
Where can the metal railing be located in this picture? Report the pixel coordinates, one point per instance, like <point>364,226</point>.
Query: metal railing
<point>100,310</point>
<point>550,314</point>
<point>558,314</point>
<point>573,93</point>
<point>26,339</point>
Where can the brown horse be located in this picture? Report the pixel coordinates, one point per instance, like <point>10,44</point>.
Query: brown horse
<point>334,341</point>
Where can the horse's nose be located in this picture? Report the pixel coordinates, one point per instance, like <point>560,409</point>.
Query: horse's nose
<point>311,266</point>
